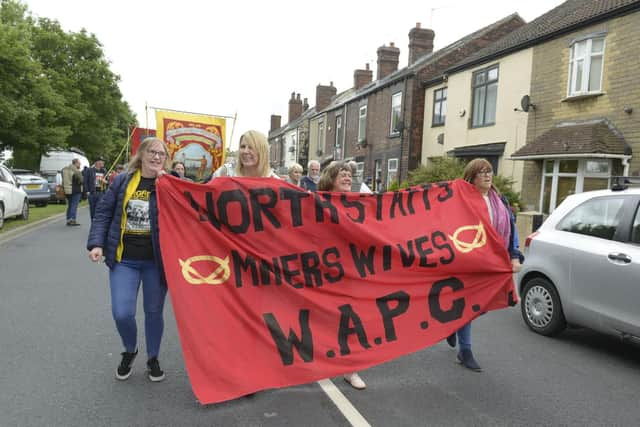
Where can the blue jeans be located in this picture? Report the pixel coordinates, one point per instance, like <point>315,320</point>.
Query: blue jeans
<point>94,199</point>
<point>73,200</point>
<point>124,280</point>
<point>464,337</point>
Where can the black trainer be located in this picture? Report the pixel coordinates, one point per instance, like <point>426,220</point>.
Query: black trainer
<point>124,370</point>
<point>451,340</point>
<point>154,371</point>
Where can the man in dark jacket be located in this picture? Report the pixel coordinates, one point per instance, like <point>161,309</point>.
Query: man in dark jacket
<point>310,181</point>
<point>95,184</point>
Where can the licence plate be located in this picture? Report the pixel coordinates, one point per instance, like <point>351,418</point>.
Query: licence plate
<point>33,186</point>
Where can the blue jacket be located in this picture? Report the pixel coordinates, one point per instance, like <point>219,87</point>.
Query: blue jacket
<point>106,228</point>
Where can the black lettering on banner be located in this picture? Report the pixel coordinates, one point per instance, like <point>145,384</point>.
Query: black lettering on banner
<point>267,270</point>
<point>407,257</point>
<point>310,262</point>
<point>457,308</point>
<point>259,208</point>
<point>195,206</point>
<point>353,204</point>
<point>244,264</point>
<point>321,205</point>
<point>423,252</point>
<point>396,203</point>
<point>410,194</point>
<point>288,273</point>
<point>234,196</point>
<point>362,260</point>
<point>425,196</point>
<point>285,345</point>
<point>379,206</point>
<point>348,316</point>
<point>295,197</point>
<point>435,238</point>
<point>448,194</point>
<point>211,210</point>
<point>401,299</point>
<point>386,257</point>
<point>332,264</point>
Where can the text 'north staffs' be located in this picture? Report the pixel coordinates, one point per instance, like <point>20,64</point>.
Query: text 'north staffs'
<point>241,211</point>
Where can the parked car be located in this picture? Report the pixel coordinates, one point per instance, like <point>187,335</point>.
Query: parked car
<point>56,192</point>
<point>582,266</point>
<point>36,187</point>
<point>13,199</point>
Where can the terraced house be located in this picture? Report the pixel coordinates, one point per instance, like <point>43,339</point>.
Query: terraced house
<point>551,105</point>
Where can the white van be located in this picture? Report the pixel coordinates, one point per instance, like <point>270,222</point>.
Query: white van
<point>55,160</point>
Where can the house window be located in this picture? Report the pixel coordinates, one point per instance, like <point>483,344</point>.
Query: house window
<point>362,124</point>
<point>563,177</point>
<point>485,95</point>
<point>320,138</point>
<point>338,131</point>
<point>439,106</point>
<point>392,171</point>
<point>396,101</point>
<point>585,66</point>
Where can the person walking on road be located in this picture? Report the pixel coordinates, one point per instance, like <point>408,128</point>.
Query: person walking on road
<point>72,184</point>
<point>479,172</point>
<point>125,232</point>
<point>337,177</point>
<point>94,180</point>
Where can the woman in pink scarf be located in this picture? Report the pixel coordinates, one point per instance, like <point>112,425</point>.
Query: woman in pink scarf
<point>479,172</point>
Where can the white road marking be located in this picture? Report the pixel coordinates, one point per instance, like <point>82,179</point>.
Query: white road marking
<point>349,411</point>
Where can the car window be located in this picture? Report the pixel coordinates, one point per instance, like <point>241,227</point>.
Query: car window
<point>635,232</point>
<point>598,217</point>
<point>2,177</point>
<point>6,176</point>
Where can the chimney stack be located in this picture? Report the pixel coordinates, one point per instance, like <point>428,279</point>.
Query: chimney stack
<point>295,107</point>
<point>420,42</point>
<point>387,60</point>
<point>324,95</point>
<point>275,122</point>
<point>362,77</point>
<point>305,105</point>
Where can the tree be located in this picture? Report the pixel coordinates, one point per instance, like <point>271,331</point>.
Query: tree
<point>66,95</point>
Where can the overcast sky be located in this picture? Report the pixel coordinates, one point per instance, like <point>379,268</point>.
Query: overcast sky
<point>246,57</point>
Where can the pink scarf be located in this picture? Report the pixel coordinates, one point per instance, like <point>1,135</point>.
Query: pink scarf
<point>501,219</point>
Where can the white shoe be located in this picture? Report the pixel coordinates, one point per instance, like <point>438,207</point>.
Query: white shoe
<point>355,381</point>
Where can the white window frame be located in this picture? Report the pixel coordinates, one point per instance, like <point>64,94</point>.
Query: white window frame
<point>580,175</point>
<point>396,111</point>
<point>586,68</point>
<point>392,166</point>
<point>321,141</point>
<point>362,123</point>
<point>338,131</point>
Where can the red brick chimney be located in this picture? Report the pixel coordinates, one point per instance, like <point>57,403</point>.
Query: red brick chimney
<point>420,42</point>
<point>387,60</point>
<point>275,122</point>
<point>305,105</point>
<point>362,77</point>
<point>295,107</point>
<point>324,95</point>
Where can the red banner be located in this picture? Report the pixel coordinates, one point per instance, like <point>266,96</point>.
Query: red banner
<point>138,135</point>
<point>273,286</point>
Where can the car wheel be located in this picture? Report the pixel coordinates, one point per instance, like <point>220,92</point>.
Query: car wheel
<point>541,307</point>
<point>25,210</point>
<point>1,217</point>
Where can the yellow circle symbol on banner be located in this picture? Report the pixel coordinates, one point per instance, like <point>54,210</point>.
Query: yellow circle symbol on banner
<point>479,240</point>
<point>217,277</point>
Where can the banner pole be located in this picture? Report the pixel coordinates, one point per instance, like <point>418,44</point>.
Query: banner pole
<point>191,112</point>
<point>235,117</point>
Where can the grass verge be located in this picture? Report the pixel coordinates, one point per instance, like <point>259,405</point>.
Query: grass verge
<point>35,214</point>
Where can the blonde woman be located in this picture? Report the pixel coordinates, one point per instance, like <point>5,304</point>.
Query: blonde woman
<point>252,158</point>
<point>295,173</point>
<point>125,232</point>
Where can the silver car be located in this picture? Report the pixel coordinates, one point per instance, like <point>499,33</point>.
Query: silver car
<point>582,266</point>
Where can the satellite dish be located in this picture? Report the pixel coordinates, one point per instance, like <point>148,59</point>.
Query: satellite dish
<point>525,103</point>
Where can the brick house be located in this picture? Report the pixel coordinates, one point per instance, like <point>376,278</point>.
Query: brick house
<point>579,72</point>
<point>288,144</point>
<point>382,121</point>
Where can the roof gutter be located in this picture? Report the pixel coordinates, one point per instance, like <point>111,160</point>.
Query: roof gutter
<point>625,157</point>
<point>530,43</point>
